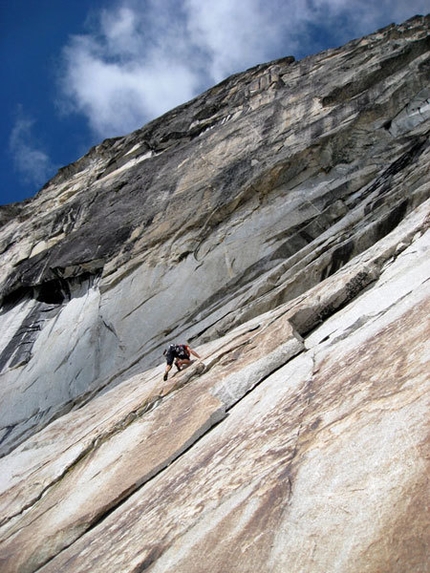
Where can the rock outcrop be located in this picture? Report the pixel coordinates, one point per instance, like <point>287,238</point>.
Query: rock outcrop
<point>279,223</point>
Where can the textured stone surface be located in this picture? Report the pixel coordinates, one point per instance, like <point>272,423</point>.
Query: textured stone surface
<point>318,468</point>
<point>279,222</point>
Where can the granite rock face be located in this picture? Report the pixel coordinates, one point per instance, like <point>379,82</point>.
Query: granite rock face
<point>279,223</point>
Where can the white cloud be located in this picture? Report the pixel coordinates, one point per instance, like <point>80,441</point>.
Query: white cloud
<point>140,63</point>
<point>121,30</point>
<point>29,160</point>
<point>347,19</point>
<point>144,58</point>
<point>134,67</point>
<point>117,96</point>
<point>235,35</point>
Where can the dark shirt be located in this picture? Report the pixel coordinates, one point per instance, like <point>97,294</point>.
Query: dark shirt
<point>176,351</point>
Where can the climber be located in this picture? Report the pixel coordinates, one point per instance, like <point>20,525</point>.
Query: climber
<point>182,353</point>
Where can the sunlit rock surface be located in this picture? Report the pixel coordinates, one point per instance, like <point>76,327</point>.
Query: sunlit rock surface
<point>279,223</point>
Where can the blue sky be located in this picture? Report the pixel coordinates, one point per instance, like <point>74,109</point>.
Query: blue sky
<point>75,72</point>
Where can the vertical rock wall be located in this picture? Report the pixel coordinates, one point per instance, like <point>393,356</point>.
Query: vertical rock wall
<point>278,222</point>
